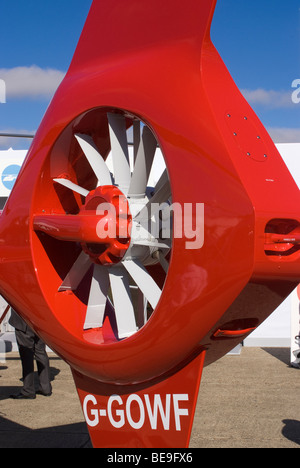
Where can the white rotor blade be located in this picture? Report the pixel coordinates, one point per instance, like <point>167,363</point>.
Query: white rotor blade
<point>148,243</point>
<point>124,311</point>
<point>70,185</point>
<point>119,149</point>
<point>95,159</point>
<point>76,274</point>
<point>144,281</point>
<point>164,178</point>
<point>143,164</point>
<point>160,257</point>
<point>153,205</point>
<point>97,298</point>
<point>142,304</point>
<point>136,138</point>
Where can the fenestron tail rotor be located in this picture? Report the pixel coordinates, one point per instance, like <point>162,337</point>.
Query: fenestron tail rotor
<point>118,225</point>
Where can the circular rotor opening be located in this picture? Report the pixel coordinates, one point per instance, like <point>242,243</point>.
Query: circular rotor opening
<point>105,222</point>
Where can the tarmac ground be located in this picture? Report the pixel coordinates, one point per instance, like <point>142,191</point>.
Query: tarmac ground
<point>245,401</point>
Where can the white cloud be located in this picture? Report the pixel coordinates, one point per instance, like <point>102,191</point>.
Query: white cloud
<point>268,98</point>
<point>278,135</point>
<point>31,82</point>
<point>284,135</point>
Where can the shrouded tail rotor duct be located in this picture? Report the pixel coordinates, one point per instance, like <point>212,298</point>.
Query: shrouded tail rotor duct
<point>104,191</point>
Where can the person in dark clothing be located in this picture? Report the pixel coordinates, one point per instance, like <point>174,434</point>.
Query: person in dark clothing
<point>31,347</point>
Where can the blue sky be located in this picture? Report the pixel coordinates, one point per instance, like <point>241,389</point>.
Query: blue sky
<point>259,41</point>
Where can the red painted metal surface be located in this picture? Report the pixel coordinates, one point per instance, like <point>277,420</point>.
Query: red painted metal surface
<point>159,414</point>
<point>154,61</point>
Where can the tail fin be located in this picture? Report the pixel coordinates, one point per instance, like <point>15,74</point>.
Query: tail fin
<point>155,414</point>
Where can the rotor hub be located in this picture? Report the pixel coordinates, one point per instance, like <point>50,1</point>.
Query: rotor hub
<point>113,227</point>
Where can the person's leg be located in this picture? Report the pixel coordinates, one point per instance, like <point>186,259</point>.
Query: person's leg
<point>25,341</point>
<point>43,366</point>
